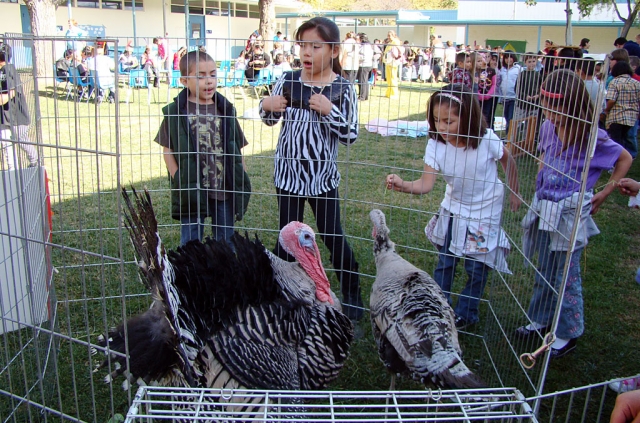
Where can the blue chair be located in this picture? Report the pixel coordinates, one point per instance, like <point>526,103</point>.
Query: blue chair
<point>262,81</point>
<point>276,73</point>
<point>175,80</point>
<point>237,80</point>
<point>68,87</point>
<point>77,81</point>
<point>225,65</point>
<point>138,79</point>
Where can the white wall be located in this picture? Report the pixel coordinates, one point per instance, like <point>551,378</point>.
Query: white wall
<point>11,17</point>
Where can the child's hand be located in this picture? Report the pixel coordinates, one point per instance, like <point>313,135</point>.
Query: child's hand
<point>514,201</point>
<point>275,103</point>
<point>394,182</point>
<point>628,187</point>
<point>320,104</point>
<point>597,200</point>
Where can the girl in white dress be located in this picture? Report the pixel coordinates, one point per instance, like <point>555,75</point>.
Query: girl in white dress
<point>465,152</point>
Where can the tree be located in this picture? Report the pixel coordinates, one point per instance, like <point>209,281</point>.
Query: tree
<point>633,6</point>
<point>43,24</point>
<point>267,19</point>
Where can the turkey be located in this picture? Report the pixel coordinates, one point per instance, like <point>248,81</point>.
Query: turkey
<point>230,318</point>
<point>412,322</point>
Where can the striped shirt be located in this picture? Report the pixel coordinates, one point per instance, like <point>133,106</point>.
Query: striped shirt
<point>626,93</point>
<point>307,151</point>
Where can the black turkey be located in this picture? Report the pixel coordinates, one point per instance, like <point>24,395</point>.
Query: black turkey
<point>413,323</point>
<point>230,318</point>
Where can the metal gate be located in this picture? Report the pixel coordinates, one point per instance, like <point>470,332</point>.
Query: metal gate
<point>69,271</point>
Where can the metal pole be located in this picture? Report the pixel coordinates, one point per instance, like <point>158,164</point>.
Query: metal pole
<point>186,22</point>
<point>539,37</point>
<point>135,30</point>
<point>164,19</point>
<point>69,8</point>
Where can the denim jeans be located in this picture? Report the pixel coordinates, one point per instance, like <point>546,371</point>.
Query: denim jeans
<point>221,221</point>
<point>547,280</point>
<point>477,271</point>
<point>632,140</point>
<point>508,106</point>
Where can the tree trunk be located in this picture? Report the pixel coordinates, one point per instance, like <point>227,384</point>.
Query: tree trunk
<point>628,24</point>
<point>267,22</point>
<point>43,24</point>
<point>568,35</point>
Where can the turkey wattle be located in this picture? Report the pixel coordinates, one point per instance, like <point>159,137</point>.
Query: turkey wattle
<point>230,319</point>
<point>413,324</point>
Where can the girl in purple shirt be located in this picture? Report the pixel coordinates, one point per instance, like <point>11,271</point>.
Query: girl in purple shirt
<point>549,223</point>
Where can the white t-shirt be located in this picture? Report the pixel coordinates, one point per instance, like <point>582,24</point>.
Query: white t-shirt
<point>474,189</point>
<point>350,55</point>
<point>101,66</point>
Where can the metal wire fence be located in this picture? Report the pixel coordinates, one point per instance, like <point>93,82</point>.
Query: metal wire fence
<point>71,271</point>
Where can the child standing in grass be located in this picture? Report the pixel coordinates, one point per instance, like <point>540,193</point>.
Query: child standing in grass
<point>319,110</point>
<point>564,143</point>
<point>466,153</point>
<point>201,140</point>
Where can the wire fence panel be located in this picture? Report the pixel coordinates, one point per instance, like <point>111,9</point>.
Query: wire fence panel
<point>73,274</point>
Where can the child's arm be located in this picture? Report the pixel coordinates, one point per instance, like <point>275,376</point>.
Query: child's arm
<point>628,187</point>
<point>170,161</point>
<point>511,170</point>
<point>343,121</point>
<point>423,185</point>
<point>619,171</point>
<point>272,107</point>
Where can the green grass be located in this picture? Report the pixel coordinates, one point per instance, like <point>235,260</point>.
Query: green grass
<point>80,144</point>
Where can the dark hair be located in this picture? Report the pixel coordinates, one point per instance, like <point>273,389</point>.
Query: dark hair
<point>619,54</point>
<point>328,31</point>
<point>567,52</point>
<point>461,57</point>
<point>471,124</point>
<point>563,89</point>
<point>529,55</point>
<point>634,61</point>
<point>506,55</point>
<point>584,42</point>
<point>68,52</point>
<point>363,38</point>
<point>191,59</point>
<point>155,40</point>
<point>278,59</point>
<point>5,52</point>
<point>621,68</point>
<point>620,41</point>
<point>588,66</point>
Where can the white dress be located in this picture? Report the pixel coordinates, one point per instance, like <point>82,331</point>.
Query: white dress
<point>473,199</point>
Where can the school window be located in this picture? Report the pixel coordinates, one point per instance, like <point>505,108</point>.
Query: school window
<point>254,12</point>
<point>92,4</point>
<point>128,4</point>
<point>112,4</point>
<point>242,10</point>
<point>212,7</point>
<point>177,6</point>
<point>226,8</point>
<point>8,1</point>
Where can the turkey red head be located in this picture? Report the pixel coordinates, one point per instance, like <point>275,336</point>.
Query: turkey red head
<point>299,240</point>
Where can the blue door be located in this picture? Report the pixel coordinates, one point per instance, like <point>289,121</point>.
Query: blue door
<point>26,19</point>
<point>196,30</point>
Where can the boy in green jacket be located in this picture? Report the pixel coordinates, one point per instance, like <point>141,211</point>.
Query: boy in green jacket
<point>201,140</point>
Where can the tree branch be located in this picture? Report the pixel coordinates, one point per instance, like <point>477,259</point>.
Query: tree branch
<point>615,7</point>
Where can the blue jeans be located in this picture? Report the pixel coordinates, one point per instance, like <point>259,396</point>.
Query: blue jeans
<point>221,221</point>
<point>632,140</point>
<point>508,105</point>
<point>477,271</point>
<point>547,280</point>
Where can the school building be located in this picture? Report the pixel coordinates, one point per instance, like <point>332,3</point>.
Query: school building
<point>480,22</point>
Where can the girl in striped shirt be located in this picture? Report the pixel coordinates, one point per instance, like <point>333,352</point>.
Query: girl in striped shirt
<point>318,109</point>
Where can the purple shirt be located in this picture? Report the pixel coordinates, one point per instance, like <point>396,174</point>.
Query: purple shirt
<point>561,174</point>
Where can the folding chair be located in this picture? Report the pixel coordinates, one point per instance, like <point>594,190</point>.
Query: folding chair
<point>237,80</point>
<point>68,87</point>
<point>262,81</point>
<point>104,84</point>
<point>77,81</point>
<point>138,79</point>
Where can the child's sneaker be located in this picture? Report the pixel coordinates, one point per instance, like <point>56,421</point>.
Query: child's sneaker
<point>625,385</point>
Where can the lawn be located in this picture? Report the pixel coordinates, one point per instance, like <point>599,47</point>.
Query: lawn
<point>90,150</point>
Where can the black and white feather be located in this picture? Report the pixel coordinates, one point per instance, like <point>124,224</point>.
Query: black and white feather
<point>413,324</point>
<point>226,319</point>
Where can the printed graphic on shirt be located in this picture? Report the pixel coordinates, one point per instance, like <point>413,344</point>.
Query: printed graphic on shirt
<point>210,148</point>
